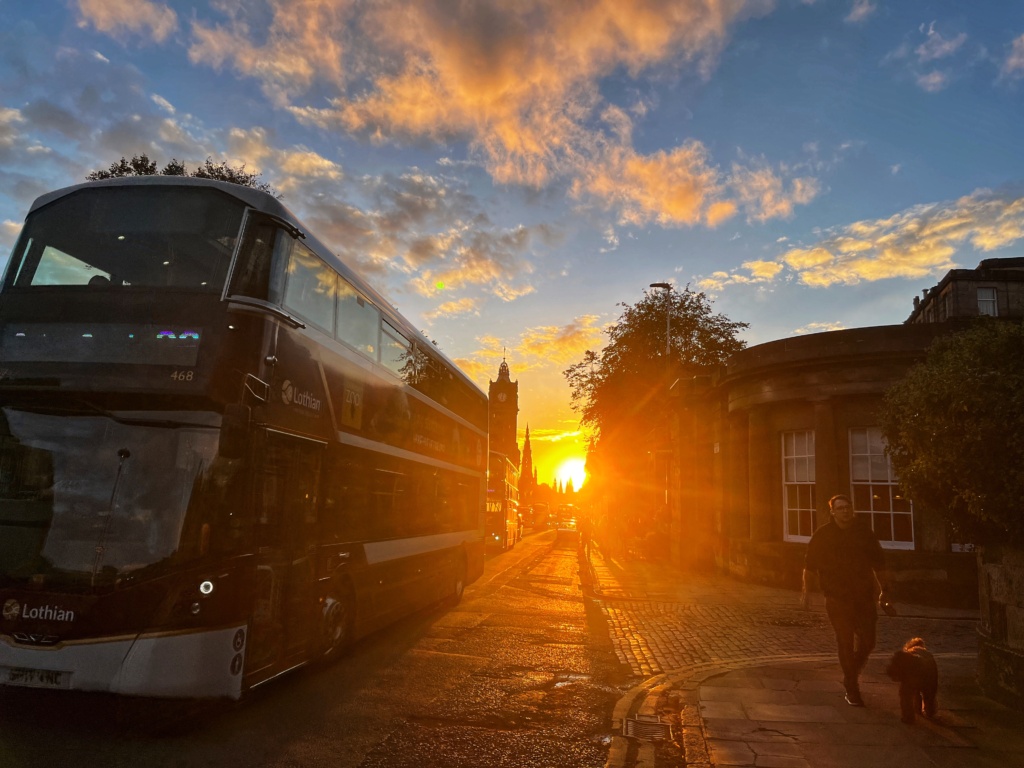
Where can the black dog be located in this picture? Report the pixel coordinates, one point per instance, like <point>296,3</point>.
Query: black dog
<point>913,667</point>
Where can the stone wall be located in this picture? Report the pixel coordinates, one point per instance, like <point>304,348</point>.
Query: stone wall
<point>1001,630</point>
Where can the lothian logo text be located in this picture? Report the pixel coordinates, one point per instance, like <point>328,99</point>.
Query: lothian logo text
<point>12,610</point>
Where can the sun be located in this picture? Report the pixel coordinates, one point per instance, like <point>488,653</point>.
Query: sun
<point>572,469</point>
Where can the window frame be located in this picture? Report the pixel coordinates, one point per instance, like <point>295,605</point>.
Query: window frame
<point>794,460</point>
<point>993,301</point>
<point>874,461</point>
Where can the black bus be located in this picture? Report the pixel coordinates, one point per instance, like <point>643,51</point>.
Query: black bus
<point>222,454</point>
<point>502,523</point>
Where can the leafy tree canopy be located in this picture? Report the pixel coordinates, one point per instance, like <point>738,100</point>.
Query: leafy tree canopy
<point>955,429</point>
<point>621,392</point>
<point>141,165</point>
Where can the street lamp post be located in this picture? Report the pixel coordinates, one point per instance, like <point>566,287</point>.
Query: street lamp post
<point>668,315</point>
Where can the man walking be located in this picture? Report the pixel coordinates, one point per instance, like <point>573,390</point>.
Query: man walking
<point>850,565</point>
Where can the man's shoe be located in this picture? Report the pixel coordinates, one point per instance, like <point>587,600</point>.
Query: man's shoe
<point>854,699</point>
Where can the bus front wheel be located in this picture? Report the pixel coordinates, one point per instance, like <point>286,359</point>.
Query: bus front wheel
<point>336,624</point>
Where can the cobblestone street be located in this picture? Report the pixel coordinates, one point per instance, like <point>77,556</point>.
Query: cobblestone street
<point>660,625</point>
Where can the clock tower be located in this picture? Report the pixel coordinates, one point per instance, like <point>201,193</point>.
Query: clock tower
<point>503,411</point>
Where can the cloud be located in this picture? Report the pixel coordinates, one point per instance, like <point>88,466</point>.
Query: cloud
<point>1013,67</point>
<point>425,229</point>
<point>10,132</point>
<point>554,435</point>
<point>933,81</point>
<point>923,240</point>
<point>920,241</point>
<point>611,239</point>
<point>936,46</point>
<point>9,231</point>
<point>519,83</point>
<point>302,42</point>
<point>765,194</point>
<point>818,328</point>
<point>119,18</point>
<point>463,306</point>
<point>560,345</point>
<point>758,272</point>
<point>919,60</point>
<point>671,188</point>
<point>861,11</point>
<point>163,103</point>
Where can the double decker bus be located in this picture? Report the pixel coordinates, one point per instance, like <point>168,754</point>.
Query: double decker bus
<point>222,454</point>
<point>502,521</point>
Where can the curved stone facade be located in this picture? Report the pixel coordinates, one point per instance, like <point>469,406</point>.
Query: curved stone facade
<point>783,427</point>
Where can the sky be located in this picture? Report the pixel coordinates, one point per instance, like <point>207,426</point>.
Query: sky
<point>508,173</point>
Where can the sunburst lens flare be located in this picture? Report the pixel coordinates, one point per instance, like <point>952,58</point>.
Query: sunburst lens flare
<point>574,470</point>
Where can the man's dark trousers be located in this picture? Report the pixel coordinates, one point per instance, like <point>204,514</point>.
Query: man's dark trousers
<point>854,623</point>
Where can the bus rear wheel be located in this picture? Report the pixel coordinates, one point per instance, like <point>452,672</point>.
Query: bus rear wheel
<point>458,581</point>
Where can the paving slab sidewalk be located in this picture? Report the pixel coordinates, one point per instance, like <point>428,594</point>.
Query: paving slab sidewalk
<point>787,710</point>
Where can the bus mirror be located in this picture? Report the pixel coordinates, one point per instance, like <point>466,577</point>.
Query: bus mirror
<point>234,431</point>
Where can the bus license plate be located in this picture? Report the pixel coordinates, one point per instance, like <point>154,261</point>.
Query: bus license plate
<point>36,678</point>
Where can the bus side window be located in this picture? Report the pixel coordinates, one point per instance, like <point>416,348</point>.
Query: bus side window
<point>396,354</point>
<point>310,288</point>
<point>346,508</point>
<point>358,321</point>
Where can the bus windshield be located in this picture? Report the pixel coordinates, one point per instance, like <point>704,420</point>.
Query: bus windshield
<point>177,237</point>
<point>93,498</point>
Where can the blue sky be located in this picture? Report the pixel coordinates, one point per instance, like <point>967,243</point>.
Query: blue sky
<point>811,165</point>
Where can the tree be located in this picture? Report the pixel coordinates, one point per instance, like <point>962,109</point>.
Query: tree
<point>955,431</point>
<point>141,165</point>
<point>622,392</point>
<point>625,386</point>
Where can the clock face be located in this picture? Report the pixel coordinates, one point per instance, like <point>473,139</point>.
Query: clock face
<point>502,397</point>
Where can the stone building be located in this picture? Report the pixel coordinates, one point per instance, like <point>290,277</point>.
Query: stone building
<point>762,444</point>
<point>503,415</point>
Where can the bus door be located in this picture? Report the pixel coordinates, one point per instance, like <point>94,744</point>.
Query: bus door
<point>286,621</point>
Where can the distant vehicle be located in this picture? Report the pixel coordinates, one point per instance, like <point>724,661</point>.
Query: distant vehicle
<point>222,454</point>
<point>501,524</point>
<point>565,527</point>
<point>541,516</point>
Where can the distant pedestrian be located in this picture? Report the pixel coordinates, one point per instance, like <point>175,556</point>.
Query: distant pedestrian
<point>850,564</point>
<point>584,529</point>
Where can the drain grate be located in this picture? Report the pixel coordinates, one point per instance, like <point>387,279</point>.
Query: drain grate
<point>649,727</point>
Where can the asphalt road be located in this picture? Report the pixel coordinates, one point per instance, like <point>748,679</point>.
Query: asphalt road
<point>521,673</point>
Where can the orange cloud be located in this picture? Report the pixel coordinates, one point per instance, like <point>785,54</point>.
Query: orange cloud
<point>139,17</point>
<point>764,193</point>
<point>304,43</point>
<point>921,241</point>
<point>671,188</point>
<point>818,328</point>
<point>560,345</point>
<point>463,306</point>
<point>519,82</point>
